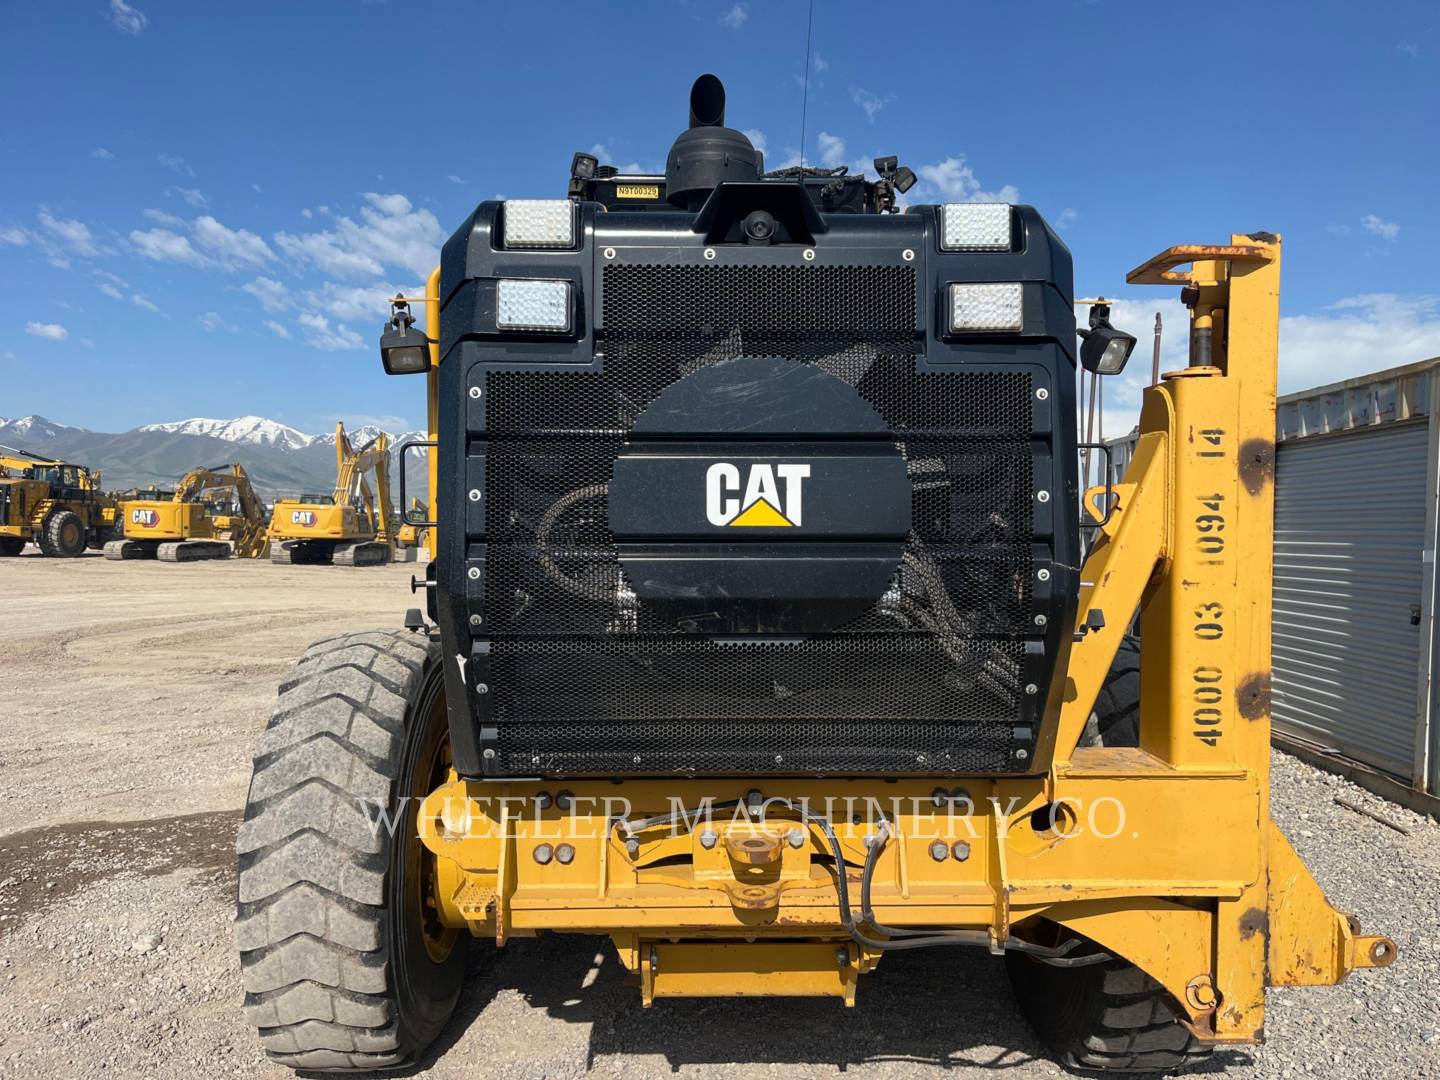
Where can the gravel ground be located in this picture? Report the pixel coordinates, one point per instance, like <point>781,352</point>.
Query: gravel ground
<point>122,782</point>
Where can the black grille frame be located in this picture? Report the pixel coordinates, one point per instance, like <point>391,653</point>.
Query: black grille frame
<point>571,675</point>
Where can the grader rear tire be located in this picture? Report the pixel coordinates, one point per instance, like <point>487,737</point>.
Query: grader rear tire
<point>1109,1017</point>
<point>344,963</point>
<point>63,535</point>
<point>1115,720</point>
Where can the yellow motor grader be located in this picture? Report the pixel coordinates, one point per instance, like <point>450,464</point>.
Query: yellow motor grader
<point>759,638</point>
<point>349,527</point>
<point>57,505</point>
<point>186,528</point>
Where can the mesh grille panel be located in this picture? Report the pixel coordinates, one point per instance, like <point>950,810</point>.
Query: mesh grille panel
<point>586,679</point>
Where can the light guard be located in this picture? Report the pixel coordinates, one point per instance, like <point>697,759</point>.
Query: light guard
<point>539,223</point>
<point>975,227</point>
<point>991,307</point>
<point>532,304</point>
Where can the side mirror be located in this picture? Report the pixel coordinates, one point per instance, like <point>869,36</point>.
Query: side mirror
<point>1103,349</point>
<point>404,350</point>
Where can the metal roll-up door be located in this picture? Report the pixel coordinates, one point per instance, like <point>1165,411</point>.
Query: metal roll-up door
<point>1349,560</point>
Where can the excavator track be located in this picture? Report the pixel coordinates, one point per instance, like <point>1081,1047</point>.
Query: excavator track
<point>192,551</point>
<point>362,553</point>
<point>117,550</point>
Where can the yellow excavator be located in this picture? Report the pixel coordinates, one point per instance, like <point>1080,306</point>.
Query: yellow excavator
<point>183,527</point>
<point>350,527</point>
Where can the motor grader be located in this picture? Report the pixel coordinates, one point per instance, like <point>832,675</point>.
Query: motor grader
<point>351,526</point>
<point>186,527</point>
<point>57,505</point>
<point>759,642</point>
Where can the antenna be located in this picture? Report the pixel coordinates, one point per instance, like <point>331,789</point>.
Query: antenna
<point>805,93</point>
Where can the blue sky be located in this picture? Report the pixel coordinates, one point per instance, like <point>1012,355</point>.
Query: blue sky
<point>201,206</point>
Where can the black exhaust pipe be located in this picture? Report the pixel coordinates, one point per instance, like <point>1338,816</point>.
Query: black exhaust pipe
<point>707,102</point>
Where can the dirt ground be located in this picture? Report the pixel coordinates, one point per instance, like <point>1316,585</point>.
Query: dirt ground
<point>130,694</point>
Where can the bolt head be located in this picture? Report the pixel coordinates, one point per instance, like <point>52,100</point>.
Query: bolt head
<point>476,620</point>
<point>609,253</point>
<point>795,838</point>
<point>564,854</point>
<point>1022,753</point>
<point>709,253</point>
<point>563,800</point>
<point>474,494</point>
<point>632,847</point>
<point>708,839</point>
<point>473,573</point>
<point>543,800</point>
<point>1031,689</point>
<point>939,851</point>
<point>482,688</point>
<point>489,754</point>
<point>908,255</point>
<point>939,797</point>
<point>1042,393</point>
<point>474,391</point>
<point>809,254</point>
<point>960,850</point>
<point>1042,575</point>
<point>544,853</point>
<point>1041,620</point>
<point>1042,496</point>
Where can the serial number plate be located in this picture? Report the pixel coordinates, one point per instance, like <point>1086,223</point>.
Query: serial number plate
<point>637,191</point>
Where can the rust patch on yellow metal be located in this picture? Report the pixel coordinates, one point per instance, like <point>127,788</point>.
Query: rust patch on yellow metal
<point>1257,464</point>
<point>1255,921</point>
<point>1253,696</point>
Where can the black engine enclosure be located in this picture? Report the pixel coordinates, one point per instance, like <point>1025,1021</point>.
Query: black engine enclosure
<point>914,639</point>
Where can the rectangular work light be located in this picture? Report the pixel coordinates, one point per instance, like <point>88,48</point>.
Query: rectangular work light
<point>538,223</point>
<point>532,304</point>
<point>975,227</point>
<point>990,307</point>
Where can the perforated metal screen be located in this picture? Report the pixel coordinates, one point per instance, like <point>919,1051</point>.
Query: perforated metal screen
<point>587,679</point>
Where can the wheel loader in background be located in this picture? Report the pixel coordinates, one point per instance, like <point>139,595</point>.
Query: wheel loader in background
<point>758,639</point>
<point>352,526</point>
<point>185,527</point>
<point>57,505</point>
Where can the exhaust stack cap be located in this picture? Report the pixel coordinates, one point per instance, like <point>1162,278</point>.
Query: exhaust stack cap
<point>707,153</point>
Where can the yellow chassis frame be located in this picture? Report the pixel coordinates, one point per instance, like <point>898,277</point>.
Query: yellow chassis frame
<point>1164,854</point>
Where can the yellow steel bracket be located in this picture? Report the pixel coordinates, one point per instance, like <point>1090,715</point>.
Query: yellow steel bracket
<point>1130,547</point>
<point>1160,270</point>
<point>1310,943</point>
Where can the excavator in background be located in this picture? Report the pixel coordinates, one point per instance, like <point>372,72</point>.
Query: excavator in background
<point>57,505</point>
<point>410,538</point>
<point>184,527</point>
<point>350,527</point>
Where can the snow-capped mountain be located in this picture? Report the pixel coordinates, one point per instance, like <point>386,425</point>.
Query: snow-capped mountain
<point>242,429</point>
<point>279,458</point>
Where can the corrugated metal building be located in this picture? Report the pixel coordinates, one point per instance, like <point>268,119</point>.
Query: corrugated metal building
<point>1355,644</point>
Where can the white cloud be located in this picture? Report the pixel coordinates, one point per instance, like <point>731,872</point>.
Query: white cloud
<point>191,195</point>
<point>390,232</point>
<point>175,163</point>
<point>735,17</point>
<point>50,331</point>
<point>75,234</point>
<point>163,218</point>
<point>162,245</point>
<point>319,334</point>
<point>357,303</point>
<point>819,63</point>
<point>872,104</point>
<point>14,236</point>
<point>116,278</point>
<point>756,137</point>
<point>141,302</point>
<point>279,329</point>
<point>255,188</point>
<point>307,213</point>
<point>832,149</point>
<point>212,321</point>
<point>1067,217</point>
<point>110,291</point>
<point>102,154</point>
<point>127,19</point>
<point>955,181</point>
<point>271,294</point>
<point>231,248</point>
<point>454,179</point>
<point>1386,230</point>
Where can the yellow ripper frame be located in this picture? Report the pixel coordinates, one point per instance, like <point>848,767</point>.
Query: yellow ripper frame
<point>1163,854</point>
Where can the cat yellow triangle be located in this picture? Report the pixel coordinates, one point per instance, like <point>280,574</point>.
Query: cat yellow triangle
<point>761,512</point>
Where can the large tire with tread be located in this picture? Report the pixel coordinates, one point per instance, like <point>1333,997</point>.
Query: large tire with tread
<point>344,964</point>
<point>11,546</point>
<point>62,535</point>
<point>1115,720</point>
<point>1109,1017</point>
